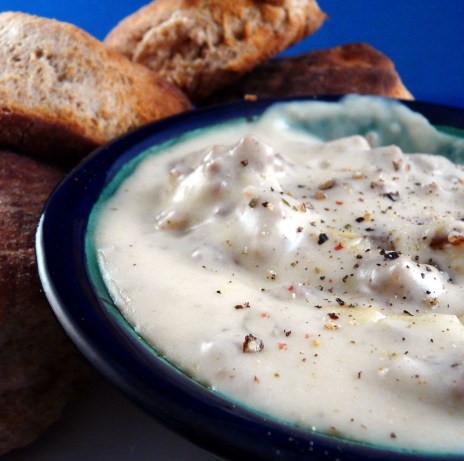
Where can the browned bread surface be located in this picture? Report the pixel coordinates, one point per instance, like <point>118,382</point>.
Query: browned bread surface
<point>352,68</point>
<point>62,92</point>
<point>40,370</point>
<point>201,45</point>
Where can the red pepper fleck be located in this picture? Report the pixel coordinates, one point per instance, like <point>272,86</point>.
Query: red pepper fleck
<point>339,247</point>
<point>282,346</point>
<point>265,315</point>
<point>291,288</point>
<point>339,202</point>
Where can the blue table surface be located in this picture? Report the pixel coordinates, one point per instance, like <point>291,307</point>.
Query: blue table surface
<point>424,38</point>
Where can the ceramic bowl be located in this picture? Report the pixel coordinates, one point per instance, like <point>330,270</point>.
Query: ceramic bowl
<point>79,299</point>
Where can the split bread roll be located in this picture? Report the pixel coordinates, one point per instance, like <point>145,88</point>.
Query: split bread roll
<point>353,68</point>
<point>63,93</point>
<point>202,45</point>
<point>40,369</point>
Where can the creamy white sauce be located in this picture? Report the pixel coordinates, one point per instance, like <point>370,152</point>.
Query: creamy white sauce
<point>344,262</point>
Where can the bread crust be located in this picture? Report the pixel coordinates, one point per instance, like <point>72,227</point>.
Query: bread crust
<point>351,68</point>
<point>62,92</point>
<point>202,45</point>
<point>40,370</point>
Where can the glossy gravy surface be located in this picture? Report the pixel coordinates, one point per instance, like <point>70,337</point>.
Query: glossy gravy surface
<point>319,282</point>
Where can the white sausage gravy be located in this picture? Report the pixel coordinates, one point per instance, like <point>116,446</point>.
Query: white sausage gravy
<point>318,282</point>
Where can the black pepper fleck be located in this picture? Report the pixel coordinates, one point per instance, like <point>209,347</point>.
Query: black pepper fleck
<point>391,254</point>
<point>393,196</point>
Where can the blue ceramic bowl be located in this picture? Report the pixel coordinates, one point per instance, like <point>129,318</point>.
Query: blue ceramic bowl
<point>80,301</point>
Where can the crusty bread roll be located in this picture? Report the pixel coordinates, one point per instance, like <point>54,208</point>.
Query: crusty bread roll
<point>62,92</point>
<point>352,68</point>
<point>40,370</point>
<point>201,45</point>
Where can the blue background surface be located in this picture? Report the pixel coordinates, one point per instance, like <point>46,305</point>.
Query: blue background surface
<point>424,38</point>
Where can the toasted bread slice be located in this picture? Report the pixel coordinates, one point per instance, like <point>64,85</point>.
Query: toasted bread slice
<point>353,68</point>
<point>62,92</point>
<point>201,45</point>
<point>40,370</point>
